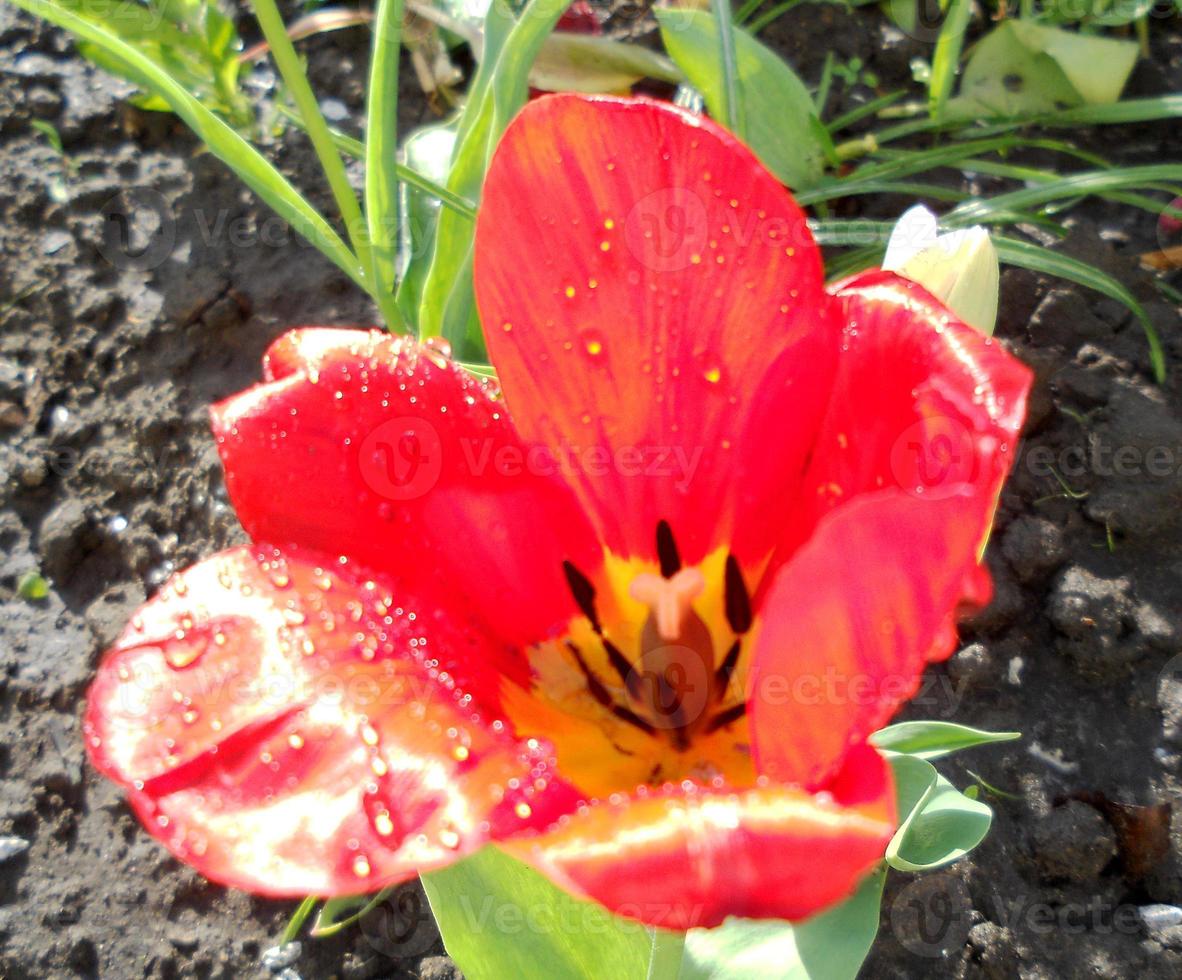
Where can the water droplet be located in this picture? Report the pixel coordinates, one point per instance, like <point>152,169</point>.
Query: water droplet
<point>295,740</point>
<point>592,342</point>
<point>523,810</point>
<point>361,866</point>
<point>569,292</point>
<point>712,373</point>
<point>449,838</point>
<point>460,753</point>
<point>185,648</point>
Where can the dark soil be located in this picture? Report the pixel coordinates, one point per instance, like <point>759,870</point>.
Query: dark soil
<point>110,481</point>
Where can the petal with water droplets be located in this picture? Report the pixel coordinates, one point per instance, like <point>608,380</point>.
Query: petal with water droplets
<point>291,729</point>
<point>883,555</point>
<point>657,313</point>
<point>688,856</point>
<point>377,448</point>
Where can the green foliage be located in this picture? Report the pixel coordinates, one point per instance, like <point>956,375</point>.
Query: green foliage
<point>782,126</point>
<point>500,918</point>
<point>193,40</point>
<point>938,823</point>
<point>1022,69</point>
<point>32,587</point>
<point>934,739</point>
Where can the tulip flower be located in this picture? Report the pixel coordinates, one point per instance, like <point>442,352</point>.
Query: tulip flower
<point>632,615</point>
<point>959,268</point>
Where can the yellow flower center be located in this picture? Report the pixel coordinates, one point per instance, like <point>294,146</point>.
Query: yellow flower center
<point>647,684</point>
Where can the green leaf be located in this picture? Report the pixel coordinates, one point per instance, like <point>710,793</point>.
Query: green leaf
<point>497,92</point>
<point>830,946</point>
<point>499,919</point>
<point>1021,68</point>
<point>32,587</point>
<point>586,63</point>
<point>941,823</point>
<point>381,145</point>
<point>933,739</point>
<point>222,140</point>
<point>782,124</point>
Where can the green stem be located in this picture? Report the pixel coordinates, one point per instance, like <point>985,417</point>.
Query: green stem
<point>732,109</point>
<point>664,962</point>
<point>292,71</point>
<point>298,918</point>
<point>381,150</point>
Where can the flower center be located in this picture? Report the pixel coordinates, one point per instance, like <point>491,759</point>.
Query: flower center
<point>650,671</point>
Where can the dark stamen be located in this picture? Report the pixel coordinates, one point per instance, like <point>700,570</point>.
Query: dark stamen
<point>738,602</point>
<point>667,550</point>
<point>583,592</point>
<point>622,666</point>
<point>722,676</point>
<point>727,717</point>
<point>603,696</point>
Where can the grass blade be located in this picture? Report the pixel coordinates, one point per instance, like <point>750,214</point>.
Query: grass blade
<point>947,55</point>
<point>292,71</point>
<point>1074,185</point>
<point>732,108</point>
<point>497,91</point>
<point>226,144</point>
<point>352,147</point>
<point>381,150</point>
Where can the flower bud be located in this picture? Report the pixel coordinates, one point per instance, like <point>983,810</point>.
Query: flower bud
<point>959,268</point>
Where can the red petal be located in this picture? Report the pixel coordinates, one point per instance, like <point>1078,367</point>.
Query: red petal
<point>900,496</point>
<point>657,313</point>
<point>691,857</point>
<point>286,729</point>
<point>376,448</point>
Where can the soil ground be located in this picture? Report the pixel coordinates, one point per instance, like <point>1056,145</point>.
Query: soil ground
<point>109,481</point>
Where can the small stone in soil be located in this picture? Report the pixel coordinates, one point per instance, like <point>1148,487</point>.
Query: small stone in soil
<point>279,958</point>
<point>10,847</point>
<point>1073,842</point>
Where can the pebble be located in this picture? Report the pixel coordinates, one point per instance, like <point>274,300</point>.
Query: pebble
<point>1073,842</point>
<point>10,847</point>
<point>279,958</point>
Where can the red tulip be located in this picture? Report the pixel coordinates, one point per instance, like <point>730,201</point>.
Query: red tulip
<point>634,620</point>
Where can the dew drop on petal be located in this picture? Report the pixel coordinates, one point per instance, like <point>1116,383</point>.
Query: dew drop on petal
<point>592,342</point>
<point>361,866</point>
